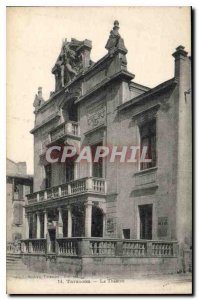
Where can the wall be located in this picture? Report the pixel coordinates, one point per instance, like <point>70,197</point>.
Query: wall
<point>12,167</point>
<point>80,267</point>
<point>184,157</point>
<point>14,200</point>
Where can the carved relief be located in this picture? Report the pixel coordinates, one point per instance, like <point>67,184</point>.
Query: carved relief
<point>72,60</point>
<point>96,117</point>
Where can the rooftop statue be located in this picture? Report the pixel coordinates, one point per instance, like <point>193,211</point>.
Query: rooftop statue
<point>38,100</point>
<point>115,41</point>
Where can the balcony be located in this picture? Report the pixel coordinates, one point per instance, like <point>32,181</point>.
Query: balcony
<point>146,178</point>
<point>75,187</point>
<point>68,128</point>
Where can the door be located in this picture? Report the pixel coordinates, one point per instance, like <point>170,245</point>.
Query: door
<point>146,216</point>
<point>97,222</point>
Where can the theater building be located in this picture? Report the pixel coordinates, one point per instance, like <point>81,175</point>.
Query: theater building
<point>111,216</point>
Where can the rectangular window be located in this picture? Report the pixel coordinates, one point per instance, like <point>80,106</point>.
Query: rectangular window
<point>148,138</point>
<point>18,214</point>
<point>126,233</point>
<point>97,167</point>
<point>18,191</point>
<point>48,176</point>
<point>69,170</point>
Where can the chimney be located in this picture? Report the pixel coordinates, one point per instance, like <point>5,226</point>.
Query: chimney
<point>181,59</point>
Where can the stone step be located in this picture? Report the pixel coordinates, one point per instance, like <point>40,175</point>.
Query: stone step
<point>16,266</point>
<point>15,256</point>
<point>14,263</point>
<point>13,259</point>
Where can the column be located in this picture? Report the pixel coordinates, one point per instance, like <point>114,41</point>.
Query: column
<point>60,219</point>
<point>60,222</point>
<point>27,227</point>
<point>104,224</point>
<point>34,225</point>
<point>69,223</point>
<point>45,223</point>
<point>38,225</point>
<point>88,218</point>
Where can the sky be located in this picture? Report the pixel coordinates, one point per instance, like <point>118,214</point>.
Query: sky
<point>34,38</point>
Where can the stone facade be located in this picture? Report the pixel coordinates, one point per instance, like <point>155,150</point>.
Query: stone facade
<point>99,103</point>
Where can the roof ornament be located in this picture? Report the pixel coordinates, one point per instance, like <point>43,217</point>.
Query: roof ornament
<point>38,100</point>
<point>73,59</point>
<point>115,41</point>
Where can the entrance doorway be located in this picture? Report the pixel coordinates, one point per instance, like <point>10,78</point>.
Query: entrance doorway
<point>52,240</point>
<point>146,216</point>
<point>97,222</point>
<point>78,220</point>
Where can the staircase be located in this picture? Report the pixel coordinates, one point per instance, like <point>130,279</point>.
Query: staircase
<point>14,263</point>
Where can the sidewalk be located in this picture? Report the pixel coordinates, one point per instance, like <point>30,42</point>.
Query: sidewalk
<point>40,283</point>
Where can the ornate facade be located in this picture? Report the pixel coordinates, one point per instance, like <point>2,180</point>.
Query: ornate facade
<point>109,209</point>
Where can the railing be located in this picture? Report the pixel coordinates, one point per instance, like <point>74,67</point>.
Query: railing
<point>34,246</point>
<point>13,247</point>
<point>67,247</point>
<point>147,176</point>
<point>69,127</point>
<point>103,247</point>
<point>32,198</point>
<point>134,248</point>
<point>82,185</point>
<point>78,186</point>
<point>162,249</point>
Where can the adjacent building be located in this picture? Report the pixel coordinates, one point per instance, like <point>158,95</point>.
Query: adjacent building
<point>140,212</point>
<point>18,184</point>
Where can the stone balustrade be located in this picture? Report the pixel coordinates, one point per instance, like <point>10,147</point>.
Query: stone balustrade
<point>102,247</point>
<point>69,127</point>
<point>117,247</point>
<point>67,247</point>
<point>144,177</point>
<point>79,186</point>
<point>32,198</point>
<point>34,246</point>
<point>13,247</point>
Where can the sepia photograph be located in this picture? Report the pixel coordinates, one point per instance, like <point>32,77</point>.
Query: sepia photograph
<point>98,150</point>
